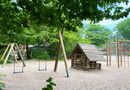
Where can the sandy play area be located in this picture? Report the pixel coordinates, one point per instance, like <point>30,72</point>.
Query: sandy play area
<point>109,78</point>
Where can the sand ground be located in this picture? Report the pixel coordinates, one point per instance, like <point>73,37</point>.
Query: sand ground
<point>109,78</point>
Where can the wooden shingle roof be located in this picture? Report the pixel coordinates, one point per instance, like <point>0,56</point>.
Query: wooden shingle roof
<point>91,52</point>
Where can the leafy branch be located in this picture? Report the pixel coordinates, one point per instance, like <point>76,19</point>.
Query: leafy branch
<point>50,84</point>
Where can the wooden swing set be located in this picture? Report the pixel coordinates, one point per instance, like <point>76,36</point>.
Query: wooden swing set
<point>10,49</point>
<point>61,46</point>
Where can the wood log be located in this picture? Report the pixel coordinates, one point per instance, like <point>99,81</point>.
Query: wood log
<point>14,55</point>
<point>64,54</point>
<point>22,59</point>
<point>5,52</point>
<point>6,58</point>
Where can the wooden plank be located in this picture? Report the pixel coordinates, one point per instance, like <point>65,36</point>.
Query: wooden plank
<point>20,55</point>
<point>110,54</point>
<point>124,58</point>
<point>6,58</point>
<point>14,55</point>
<point>121,54</point>
<point>107,54</point>
<point>64,54</point>
<point>75,59</point>
<point>118,56</point>
<point>5,52</point>
<point>72,61</point>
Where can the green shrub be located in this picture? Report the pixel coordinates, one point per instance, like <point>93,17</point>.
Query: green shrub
<point>50,84</point>
<point>39,53</point>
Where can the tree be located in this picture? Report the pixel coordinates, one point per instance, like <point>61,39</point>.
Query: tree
<point>123,28</point>
<point>72,38</point>
<point>12,20</point>
<point>98,35</point>
<point>64,14</point>
<point>69,13</point>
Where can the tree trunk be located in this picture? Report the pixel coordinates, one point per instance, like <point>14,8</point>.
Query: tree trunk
<point>57,56</point>
<point>58,52</point>
<point>27,51</point>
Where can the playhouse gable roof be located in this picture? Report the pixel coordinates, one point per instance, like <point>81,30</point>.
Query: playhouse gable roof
<point>90,51</point>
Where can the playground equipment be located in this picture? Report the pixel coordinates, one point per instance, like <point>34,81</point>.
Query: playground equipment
<point>86,56</point>
<point>61,47</point>
<point>45,63</point>
<point>121,50</point>
<point>10,50</point>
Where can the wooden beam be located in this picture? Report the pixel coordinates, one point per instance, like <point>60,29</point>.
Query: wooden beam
<point>124,59</point>
<point>121,54</point>
<point>72,61</point>
<point>6,58</point>
<point>107,54</point>
<point>110,54</point>
<point>64,53</point>
<point>118,56</point>
<point>20,55</point>
<point>5,52</point>
<point>14,55</point>
<point>75,59</point>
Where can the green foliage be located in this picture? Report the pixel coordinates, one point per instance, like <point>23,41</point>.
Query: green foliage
<point>35,21</point>
<point>72,38</point>
<point>12,20</point>
<point>49,85</point>
<point>2,84</point>
<point>39,53</point>
<point>124,28</point>
<point>98,35</point>
<point>68,14</point>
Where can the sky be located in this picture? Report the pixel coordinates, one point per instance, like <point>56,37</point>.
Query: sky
<point>110,24</point>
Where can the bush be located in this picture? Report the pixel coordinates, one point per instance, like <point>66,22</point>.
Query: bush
<point>39,53</point>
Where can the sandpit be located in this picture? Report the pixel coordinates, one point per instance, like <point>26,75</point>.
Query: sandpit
<point>108,78</point>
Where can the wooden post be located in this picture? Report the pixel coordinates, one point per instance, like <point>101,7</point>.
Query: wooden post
<point>75,60</point>
<point>128,57</point>
<point>14,55</point>
<point>107,54</point>
<point>64,53</point>
<point>5,52</point>
<point>20,55</point>
<point>121,53</point>
<point>12,45</point>
<point>57,57</point>
<point>72,61</point>
<point>118,54</point>
<point>124,58</point>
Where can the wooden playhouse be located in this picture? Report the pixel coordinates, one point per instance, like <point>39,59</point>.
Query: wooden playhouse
<point>85,56</point>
